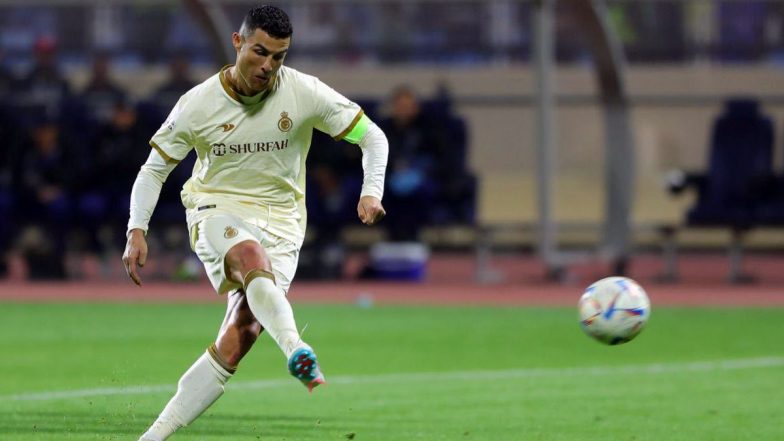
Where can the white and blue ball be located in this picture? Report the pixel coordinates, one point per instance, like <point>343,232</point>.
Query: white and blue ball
<point>614,310</point>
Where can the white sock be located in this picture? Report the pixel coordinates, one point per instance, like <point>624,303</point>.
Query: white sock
<point>198,388</point>
<point>269,304</point>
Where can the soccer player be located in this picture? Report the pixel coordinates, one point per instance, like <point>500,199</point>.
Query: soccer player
<point>251,126</point>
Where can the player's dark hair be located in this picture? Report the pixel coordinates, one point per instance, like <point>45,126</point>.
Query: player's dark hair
<point>268,18</point>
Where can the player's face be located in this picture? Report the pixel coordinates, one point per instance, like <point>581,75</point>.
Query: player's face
<point>259,57</point>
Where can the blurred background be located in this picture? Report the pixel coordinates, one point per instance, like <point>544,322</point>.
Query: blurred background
<point>458,88</point>
<point>535,147</point>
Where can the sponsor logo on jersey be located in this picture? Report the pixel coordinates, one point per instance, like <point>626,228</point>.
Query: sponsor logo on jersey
<point>285,123</point>
<point>220,148</point>
<point>230,232</point>
<point>226,127</point>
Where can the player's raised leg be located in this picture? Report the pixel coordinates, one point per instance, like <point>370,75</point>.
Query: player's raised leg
<point>247,263</point>
<point>203,383</point>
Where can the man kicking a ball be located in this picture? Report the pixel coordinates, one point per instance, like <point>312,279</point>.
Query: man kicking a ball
<point>251,126</point>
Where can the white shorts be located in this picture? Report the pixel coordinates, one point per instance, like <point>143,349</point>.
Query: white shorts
<point>214,236</point>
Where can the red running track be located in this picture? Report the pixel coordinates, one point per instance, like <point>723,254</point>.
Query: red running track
<point>451,281</point>
<point>392,294</point>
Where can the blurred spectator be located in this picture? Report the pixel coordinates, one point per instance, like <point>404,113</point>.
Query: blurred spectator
<point>658,30</point>
<point>6,79</point>
<point>176,85</point>
<point>742,29</point>
<point>409,187</point>
<point>332,207</point>
<point>455,185</point>
<point>44,89</point>
<point>102,93</point>
<point>8,134</point>
<point>117,152</point>
<point>419,32</point>
<point>334,179</point>
<point>43,175</point>
<point>152,113</point>
<point>7,215</point>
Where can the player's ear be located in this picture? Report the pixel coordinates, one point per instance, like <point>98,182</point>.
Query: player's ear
<point>236,41</point>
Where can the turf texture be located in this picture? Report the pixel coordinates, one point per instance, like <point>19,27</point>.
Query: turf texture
<point>103,372</point>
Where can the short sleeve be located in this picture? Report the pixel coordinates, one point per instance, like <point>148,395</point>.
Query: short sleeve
<point>173,140</point>
<point>337,115</point>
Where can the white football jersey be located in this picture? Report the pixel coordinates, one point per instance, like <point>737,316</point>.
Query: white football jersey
<point>251,151</point>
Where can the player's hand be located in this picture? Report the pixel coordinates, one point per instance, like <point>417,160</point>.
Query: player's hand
<point>135,254</point>
<point>370,210</point>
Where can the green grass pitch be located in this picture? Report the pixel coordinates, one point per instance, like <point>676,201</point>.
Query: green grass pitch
<point>103,372</point>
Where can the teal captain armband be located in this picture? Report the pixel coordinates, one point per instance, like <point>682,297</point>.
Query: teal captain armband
<point>358,131</point>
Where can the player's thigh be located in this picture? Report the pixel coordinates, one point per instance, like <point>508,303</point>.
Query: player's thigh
<point>245,257</point>
<point>213,238</point>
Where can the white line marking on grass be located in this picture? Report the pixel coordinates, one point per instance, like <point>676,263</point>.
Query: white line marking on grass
<point>656,368</point>
<point>96,392</point>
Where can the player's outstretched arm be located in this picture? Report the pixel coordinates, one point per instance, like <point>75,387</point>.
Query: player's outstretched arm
<point>144,197</point>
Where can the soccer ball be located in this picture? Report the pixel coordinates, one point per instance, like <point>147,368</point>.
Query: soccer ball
<point>614,310</point>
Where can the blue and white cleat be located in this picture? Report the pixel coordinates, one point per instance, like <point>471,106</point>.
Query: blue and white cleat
<point>304,366</point>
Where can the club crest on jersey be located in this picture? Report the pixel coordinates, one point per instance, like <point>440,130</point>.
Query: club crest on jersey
<point>285,123</point>
<point>230,232</point>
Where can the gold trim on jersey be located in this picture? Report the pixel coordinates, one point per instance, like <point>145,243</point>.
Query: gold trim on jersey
<point>226,86</point>
<point>234,94</point>
<point>350,127</point>
<point>168,158</point>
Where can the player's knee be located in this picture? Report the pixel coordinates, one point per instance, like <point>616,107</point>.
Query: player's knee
<point>245,257</point>
<point>248,255</point>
